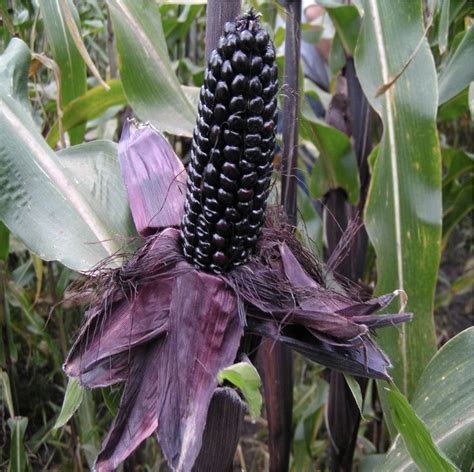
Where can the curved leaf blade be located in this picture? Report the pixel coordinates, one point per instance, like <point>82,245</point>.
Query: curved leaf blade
<point>66,55</point>
<point>43,200</point>
<point>148,79</point>
<point>403,213</point>
<point>458,72</point>
<point>443,400</point>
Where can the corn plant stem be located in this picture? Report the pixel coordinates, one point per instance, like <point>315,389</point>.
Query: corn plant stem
<point>291,108</point>
<point>343,415</point>
<point>276,361</point>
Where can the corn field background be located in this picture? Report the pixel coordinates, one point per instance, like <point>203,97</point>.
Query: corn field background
<point>385,110</point>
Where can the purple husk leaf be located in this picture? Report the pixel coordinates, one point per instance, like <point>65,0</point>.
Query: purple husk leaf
<point>204,337</point>
<point>154,177</point>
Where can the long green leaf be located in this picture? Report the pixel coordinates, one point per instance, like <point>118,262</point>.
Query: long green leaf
<point>66,55</point>
<point>68,209</point>
<point>403,213</point>
<point>415,435</point>
<point>145,68</point>
<point>17,427</point>
<point>458,72</point>
<point>72,401</point>
<point>444,401</point>
<point>87,107</point>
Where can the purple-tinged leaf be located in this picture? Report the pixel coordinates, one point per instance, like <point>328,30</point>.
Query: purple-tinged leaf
<point>137,417</point>
<point>101,354</point>
<point>171,380</point>
<point>365,360</point>
<point>154,177</point>
<point>204,337</point>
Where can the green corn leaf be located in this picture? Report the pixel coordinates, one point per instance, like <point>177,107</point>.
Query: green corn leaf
<point>73,207</point>
<point>18,457</point>
<point>72,401</point>
<point>89,106</point>
<point>403,212</point>
<point>147,76</point>
<point>245,377</point>
<point>66,55</point>
<point>443,401</point>
<point>458,71</point>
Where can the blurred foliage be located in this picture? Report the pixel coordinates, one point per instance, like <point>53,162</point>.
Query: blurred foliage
<point>39,316</point>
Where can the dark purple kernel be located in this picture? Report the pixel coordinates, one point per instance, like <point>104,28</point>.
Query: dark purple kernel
<point>211,174</point>
<point>233,138</point>
<point>224,197</point>
<point>208,98</point>
<point>203,126</point>
<point>236,122</point>
<point>274,72</point>
<point>256,64</point>
<point>240,62</point>
<point>211,81</point>
<point>230,45</point>
<point>268,128</point>
<point>204,143</point>
<point>266,75</point>
<point>205,247</point>
<point>211,215</point>
<point>226,71</point>
<point>232,153</point>
<point>244,195</point>
<point>202,235</point>
<point>208,190</point>
<point>256,105</point>
<point>230,170</point>
<point>206,112</point>
<point>241,227</point>
<point>262,38</point>
<point>214,134</point>
<point>255,87</point>
<point>222,92</point>
<point>253,153</point>
<point>269,109</point>
<point>246,166</point>
<point>239,84</point>
<point>201,256</point>
<point>227,184</point>
<point>215,62</point>
<point>220,114</point>
<point>216,157</point>
<point>219,241</point>
<point>248,180</point>
<point>255,124</point>
<point>220,258</point>
<point>212,204</point>
<point>262,184</point>
<point>251,240</point>
<point>269,56</point>
<point>252,140</point>
<point>256,216</point>
<point>223,227</point>
<point>267,93</point>
<point>232,215</point>
<point>237,104</point>
<point>247,40</point>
